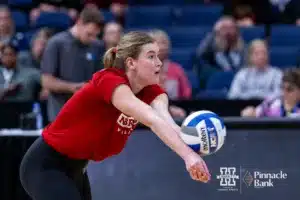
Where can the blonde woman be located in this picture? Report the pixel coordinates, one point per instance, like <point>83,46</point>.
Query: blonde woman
<point>258,79</point>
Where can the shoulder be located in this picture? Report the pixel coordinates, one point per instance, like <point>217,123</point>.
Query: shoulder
<point>106,81</point>
<point>58,38</point>
<point>243,72</point>
<point>150,92</point>
<point>110,73</point>
<point>276,70</point>
<point>109,78</point>
<point>98,44</point>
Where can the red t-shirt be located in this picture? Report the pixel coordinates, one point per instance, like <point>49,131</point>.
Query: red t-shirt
<point>89,126</point>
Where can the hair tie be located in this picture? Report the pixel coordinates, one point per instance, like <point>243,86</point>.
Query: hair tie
<point>114,50</point>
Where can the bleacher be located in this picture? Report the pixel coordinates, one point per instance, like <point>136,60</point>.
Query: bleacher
<point>186,25</point>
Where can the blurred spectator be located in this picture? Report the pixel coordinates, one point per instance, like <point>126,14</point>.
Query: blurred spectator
<point>17,83</point>
<point>111,34</point>
<point>222,49</point>
<point>71,7</point>
<point>285,11</point>
<point>7,29</point>
<point>70,59</point>
<point>244,16</point>
<point>287,104</point>
<point>117,7</point>
<point>173,77</point>
<point>258,80</point>
<point>33,57</point>
<point>269,11</point>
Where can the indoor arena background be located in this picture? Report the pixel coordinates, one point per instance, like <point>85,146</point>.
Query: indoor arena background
<point>259,157</point>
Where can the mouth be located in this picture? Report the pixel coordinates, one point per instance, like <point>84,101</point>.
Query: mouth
<point>156,73</point>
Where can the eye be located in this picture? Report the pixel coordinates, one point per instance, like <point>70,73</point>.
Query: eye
<point>151,57</point>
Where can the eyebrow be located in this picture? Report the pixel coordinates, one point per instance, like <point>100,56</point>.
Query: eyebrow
<point>151,52</point>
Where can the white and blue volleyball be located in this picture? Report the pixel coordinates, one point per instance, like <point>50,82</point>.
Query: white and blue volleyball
<point>204,131</point>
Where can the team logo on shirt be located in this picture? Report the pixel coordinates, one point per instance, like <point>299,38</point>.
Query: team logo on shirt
<point>126,124</point>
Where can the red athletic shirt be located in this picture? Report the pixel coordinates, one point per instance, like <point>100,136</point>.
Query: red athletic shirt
<point>89,126</point>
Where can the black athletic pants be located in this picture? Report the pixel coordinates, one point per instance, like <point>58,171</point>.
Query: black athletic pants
<point>48,175</point>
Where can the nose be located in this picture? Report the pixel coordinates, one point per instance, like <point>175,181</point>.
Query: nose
<point>159,63</point>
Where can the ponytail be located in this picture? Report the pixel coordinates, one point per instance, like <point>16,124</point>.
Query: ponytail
<point>109,58</point>
<point>130,45</point>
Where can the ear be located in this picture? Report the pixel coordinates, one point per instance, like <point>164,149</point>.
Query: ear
<point>130,63</point>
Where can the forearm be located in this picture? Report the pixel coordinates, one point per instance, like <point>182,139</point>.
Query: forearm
<point>56,85</point>
<point>170,135</point>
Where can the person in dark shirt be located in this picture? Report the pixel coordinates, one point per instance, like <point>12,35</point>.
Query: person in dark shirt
<point>70,58</point>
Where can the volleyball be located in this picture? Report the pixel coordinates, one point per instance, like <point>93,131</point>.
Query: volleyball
<point>204,131</point>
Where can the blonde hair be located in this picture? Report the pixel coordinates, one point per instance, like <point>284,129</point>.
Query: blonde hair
<point>251,47</point>
<point>157,33</point>
<point>130,45</point>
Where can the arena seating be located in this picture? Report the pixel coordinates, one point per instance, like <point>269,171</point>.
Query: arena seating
<point>186,25</point>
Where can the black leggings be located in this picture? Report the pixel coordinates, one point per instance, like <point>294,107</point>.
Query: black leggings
<point>48,175</point>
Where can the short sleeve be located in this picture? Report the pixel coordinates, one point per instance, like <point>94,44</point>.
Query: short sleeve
<point>107,84</point>
<point>50,59</point>
<point>149,93</point>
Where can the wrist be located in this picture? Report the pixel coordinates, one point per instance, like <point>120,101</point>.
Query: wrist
<point>188,154</point>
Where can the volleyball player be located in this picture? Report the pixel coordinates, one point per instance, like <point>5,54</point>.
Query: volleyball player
<point>97,121</point>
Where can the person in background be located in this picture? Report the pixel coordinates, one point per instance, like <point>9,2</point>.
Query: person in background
<point>70,7</point>
<point>221,50</point>
<point>17,83</point>
<point>287,104</point>
<point>112,33</point>
<point>38,43</point>
<point>244,16</point>
<point>258,80</point>
<point>173,77</point>
<point>8,32</point>
<point>32,58</point>
<point>116,7</point>
<point>71,58</point>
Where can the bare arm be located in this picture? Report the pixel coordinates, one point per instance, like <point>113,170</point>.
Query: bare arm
<point>161,105</point>
<point>57,85</point>
<point>124,100</point>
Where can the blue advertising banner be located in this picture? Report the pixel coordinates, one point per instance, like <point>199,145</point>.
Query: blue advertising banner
<point>251,165</point>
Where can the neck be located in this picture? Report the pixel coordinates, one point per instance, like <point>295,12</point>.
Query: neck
<point>135,84</point>
<point>289,105</point>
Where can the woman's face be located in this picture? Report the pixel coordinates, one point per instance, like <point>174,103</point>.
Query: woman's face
<point>290,92</point>
<point>9,57</point>
<point>164,46</point>
<point>147,67</point>
<point>259,55</point>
